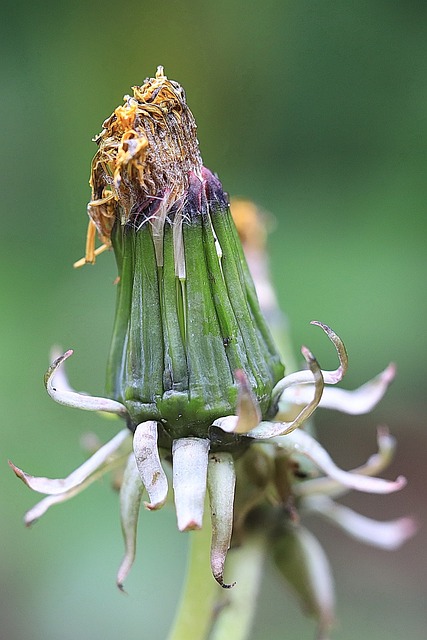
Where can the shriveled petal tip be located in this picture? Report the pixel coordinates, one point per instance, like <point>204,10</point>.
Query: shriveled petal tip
<point>221,486</point>
<point>56,486</point>
<point>63,395</point>
<point>61,378</point>
<point>267,430</point>
<point>384,535</point>
<point>300,442</point>
<point>148,463</point>
<point>130,500</point>
<point>355,402</point>
<point>190,463</point>
<point>332,377</point>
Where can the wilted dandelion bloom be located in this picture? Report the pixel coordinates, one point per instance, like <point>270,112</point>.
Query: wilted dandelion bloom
<point>194,371</point>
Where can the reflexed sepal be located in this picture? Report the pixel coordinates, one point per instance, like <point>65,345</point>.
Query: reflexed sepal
<point>301,443</point>
<point>57,486</point>
<point>149,466</point>
<point>354,402</point>
<point>190,463</point>
<point>130,500</point>
<point>374,465</point>
<point>109,457</point>
<point>274,429</point>
<point>63,394</point>
<point>221,485</point>
<point>304,377</point>
<point>389,535</point>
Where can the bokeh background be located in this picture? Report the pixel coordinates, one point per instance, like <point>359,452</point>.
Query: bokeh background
<point>317,111</point>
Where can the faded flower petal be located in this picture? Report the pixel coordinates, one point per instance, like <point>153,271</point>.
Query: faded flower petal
<point>300,442</point>
<point>356,402</point>
<point>304,565</point>
<point>148,463</point>
<point>190,463</point>
<point>130,500</point>
<point>386,535</point>
<point>221,486</point>
<point>56,486</point>
<point>63,395</point>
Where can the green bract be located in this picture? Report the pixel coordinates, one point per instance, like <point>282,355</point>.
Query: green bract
<point>178,341</point>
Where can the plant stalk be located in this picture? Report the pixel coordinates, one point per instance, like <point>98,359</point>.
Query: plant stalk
<point>194,615</point>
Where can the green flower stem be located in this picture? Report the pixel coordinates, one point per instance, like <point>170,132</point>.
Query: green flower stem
<point>194,616</point>
<point>244,565</point>
<point>208,612</point>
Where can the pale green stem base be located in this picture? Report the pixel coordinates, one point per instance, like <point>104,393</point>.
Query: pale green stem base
<point>194,615</point>
<point>208,612</point>
<point>237,609</point>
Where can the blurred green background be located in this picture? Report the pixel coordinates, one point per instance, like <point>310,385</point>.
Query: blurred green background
<point>317,111</point>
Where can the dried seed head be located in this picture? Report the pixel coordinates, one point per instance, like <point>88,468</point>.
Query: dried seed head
<point>147,151</point>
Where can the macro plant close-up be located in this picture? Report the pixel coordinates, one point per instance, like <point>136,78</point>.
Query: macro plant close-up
<point>211,421</point>
<point>213,299</point>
